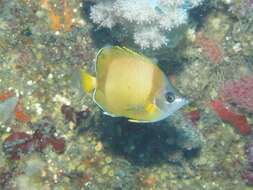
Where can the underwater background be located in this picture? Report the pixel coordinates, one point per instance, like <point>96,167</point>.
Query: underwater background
<point>54,137</point>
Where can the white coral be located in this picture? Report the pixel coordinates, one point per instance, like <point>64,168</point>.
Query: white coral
<point>172,19</point>
<point>169,3</point>
<point>103,14</point>
<point>132,11</point>
<point>149,20</point>
<point>150,38</point>
<point>195,3</point>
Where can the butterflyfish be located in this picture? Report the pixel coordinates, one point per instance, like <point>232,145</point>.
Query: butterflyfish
<point>129,84</point>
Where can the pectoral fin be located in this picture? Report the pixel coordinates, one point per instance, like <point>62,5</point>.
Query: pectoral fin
<point>151,108</point>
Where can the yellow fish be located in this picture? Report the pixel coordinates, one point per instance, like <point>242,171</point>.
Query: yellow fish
<point>128,84</point>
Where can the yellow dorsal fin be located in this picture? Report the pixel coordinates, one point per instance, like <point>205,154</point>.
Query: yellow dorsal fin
<point>117,51</point>
<point>88,81</point>
<point>129,51</point>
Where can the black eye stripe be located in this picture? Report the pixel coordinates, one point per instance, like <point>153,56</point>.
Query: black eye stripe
<point>170,97</point>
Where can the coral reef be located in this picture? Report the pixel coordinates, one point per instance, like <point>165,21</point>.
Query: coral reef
<point>148,21</point>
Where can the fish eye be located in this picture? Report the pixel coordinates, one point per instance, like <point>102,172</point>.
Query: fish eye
<point>170,97</point>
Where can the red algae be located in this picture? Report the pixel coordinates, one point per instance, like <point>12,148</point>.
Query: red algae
<point>71,115</point>
<point>6,176</point>
<point>239,92</point>
<point>249,152</point>
<point>20,114</point>
<point>58,144</point>
<point>5,95</point>
<point>237,120</point>
<point>210,48</point>
<point>60,21</point>
<point>55,19</point>
<point>17,143</point>
<point>150,181</point>
<point>193,115</point>
<point>248,177</point>
<point>43,135</point>
<point>68,16</point>
<point>40,141</point>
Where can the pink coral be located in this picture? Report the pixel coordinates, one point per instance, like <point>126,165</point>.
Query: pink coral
<point>239,92</point>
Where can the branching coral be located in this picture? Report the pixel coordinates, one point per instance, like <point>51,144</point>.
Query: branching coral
<point>150,21</point>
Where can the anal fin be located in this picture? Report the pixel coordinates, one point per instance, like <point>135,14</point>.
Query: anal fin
<point>109,114</point>
<point>137,121</point>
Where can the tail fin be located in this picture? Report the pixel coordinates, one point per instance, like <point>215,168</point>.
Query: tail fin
<point>88,81</point>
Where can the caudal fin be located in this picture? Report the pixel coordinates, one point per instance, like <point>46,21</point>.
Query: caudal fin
<point>88,81</point>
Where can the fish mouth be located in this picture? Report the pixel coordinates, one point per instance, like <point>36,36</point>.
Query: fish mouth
<point>171,108</point>
<point>184,101</point>
<point>178,103</point>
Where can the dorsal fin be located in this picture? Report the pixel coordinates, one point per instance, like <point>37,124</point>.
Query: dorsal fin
<point>108,53</point>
